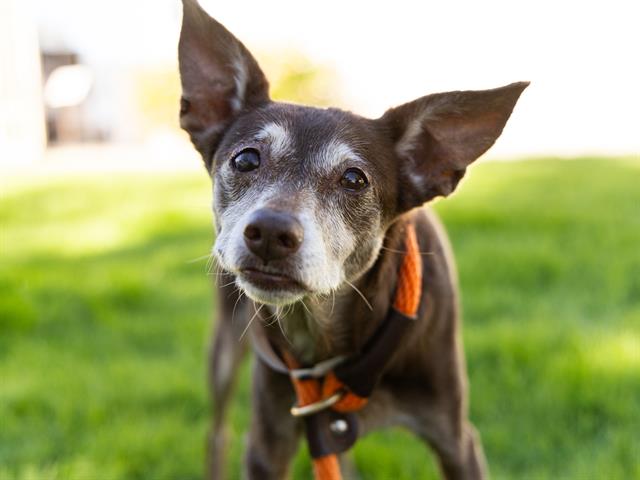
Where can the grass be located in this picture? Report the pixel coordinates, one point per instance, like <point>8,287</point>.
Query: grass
<point>104,325</point>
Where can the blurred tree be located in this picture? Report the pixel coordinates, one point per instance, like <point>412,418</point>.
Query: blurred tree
<point>157,92</point>
<point>293,78</point>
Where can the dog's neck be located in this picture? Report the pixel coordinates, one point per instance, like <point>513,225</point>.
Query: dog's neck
<point>321,327</point>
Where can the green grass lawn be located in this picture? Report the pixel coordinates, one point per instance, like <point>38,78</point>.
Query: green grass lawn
<point>105,319</point>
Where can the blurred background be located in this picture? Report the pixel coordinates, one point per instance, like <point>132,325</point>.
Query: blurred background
<point>105,226</point>
<point>104,73</point>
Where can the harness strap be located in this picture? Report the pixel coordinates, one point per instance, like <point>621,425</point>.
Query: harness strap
<point>409,287</point>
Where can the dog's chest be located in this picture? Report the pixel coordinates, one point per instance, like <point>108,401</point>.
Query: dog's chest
<point>317,330</point>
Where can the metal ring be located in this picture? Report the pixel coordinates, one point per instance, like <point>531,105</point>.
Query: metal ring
<point>317,371</point>
<point>318,406</point>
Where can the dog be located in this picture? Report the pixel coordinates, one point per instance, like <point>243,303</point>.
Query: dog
<point>312,208</point>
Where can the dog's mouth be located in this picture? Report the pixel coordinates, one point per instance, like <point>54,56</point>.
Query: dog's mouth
<point>271,281</point>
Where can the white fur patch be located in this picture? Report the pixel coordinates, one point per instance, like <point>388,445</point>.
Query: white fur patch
<point>417,180</point>
<point>334,154</point>
<point>322,271</point>
<point>410,137</point>
<point>319,263</point>
<point>232,222</point>
<point>240,78</point>
<point>278,137</point>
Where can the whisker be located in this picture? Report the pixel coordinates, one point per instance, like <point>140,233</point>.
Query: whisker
<point>216,274</point>
<point>333,301</point>
<point>282,331</point>
<point>360,293</point>
<point>275,319</point>
<point>279,317</point>
<point>210,262</point>
<point>199,259</point>
<point>306,308</point>
<point>251,321</point>
<point>403,251</point>
<point>213,262</point>
<point>233,313</point>
<point>272,315</point>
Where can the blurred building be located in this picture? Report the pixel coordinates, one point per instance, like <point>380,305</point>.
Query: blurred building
<point>67,84</point>
<point>95,57</point>
<point>22,124</point>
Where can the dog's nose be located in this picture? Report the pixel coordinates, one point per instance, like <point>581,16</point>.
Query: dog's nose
<point>273,235</point>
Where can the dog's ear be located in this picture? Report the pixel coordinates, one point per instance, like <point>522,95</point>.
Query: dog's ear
<point>436,137</point>
<point>219,78</point>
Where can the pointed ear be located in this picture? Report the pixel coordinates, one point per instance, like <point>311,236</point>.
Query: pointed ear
<point>436,137</point>
<point>219,78</point>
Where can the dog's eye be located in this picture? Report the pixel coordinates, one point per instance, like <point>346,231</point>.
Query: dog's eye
<point>353,179</point>
<point>246,160</point>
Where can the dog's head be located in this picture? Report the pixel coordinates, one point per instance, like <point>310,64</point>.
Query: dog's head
<point>303,196</point>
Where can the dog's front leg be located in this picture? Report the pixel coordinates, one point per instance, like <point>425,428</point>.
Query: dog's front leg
<point>274,434</point>
<point>460,455</point>
<point>225,356</point>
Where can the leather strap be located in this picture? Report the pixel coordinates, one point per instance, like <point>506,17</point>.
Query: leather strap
<point>264,350</point>
<point>361,373</point>
<point>323,439</point>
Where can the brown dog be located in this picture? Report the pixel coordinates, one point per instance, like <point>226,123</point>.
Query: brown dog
<point>311,208</point>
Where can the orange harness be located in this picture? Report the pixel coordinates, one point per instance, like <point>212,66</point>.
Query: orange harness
<point>314,391</point>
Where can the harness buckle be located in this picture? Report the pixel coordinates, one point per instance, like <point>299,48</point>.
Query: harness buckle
<point>318,406</point>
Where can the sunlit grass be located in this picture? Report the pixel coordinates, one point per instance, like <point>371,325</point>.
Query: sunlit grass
<point>104,325</point>
<point>61,217</point>
<point>616,353</point>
